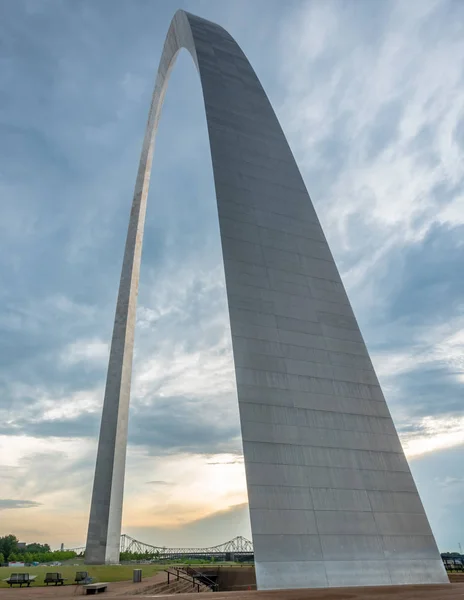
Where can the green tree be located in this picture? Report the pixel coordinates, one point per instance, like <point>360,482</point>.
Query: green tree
<point>36,547</point>
<point>8,544</point>
<point>27,557</point>
<point>2,558</point>
<point>11,557</point>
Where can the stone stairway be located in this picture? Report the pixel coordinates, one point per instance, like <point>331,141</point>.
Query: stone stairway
<point>181,586</point>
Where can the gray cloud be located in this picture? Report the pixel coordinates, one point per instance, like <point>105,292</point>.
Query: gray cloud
<point>165,426</point>
<point>237,461</point>
<point>162,483</point>
<point>439,479</point>
<point>84,426</point>
<point>48,472</point>
<point>212,530</point>
<point>425,288</point>
<point>171,425</point>
<point>384,127</point>
<point>6,504</point>
<point>423,389</point>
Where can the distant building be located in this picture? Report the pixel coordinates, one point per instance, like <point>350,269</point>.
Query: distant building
<point>21,545</point>
<point>62,547</point>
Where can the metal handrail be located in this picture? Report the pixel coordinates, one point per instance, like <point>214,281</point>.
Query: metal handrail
<point>181,577</point>
<point>210,583</point>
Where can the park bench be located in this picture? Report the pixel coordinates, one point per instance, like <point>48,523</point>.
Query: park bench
<point>95,588</point>
<point>81,577</point>
<point>20,579</point>
<point>54,578</point>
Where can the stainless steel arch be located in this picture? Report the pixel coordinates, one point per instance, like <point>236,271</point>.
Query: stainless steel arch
<point>332,500</point>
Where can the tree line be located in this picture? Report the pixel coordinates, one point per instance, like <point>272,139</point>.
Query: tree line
<point>141,556</point>
<point>10,551</point>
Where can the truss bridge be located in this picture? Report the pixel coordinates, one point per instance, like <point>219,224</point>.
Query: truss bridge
<point>238,547</point>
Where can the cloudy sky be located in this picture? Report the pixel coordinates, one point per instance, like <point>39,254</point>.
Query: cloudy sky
<point>371,97</point>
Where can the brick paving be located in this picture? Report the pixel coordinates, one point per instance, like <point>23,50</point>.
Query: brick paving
<point>115,588</point>
<point>135,591</point>
<point>454,591</point>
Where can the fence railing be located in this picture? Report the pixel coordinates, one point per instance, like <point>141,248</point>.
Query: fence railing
<point>195,577</point>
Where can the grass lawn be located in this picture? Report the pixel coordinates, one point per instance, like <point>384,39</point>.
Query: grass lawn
<point>98,572</point>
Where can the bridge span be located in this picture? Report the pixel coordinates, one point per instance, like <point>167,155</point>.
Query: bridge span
<point>239,547</point>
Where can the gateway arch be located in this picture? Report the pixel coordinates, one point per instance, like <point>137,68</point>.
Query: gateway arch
<point>332,500</point>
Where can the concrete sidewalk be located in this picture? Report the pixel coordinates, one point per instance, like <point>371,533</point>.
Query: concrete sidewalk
<point>414,592</point>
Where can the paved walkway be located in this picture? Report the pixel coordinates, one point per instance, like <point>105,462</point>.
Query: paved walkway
<point>52,592</point>
<point>453,591</point>
<point>134,591</point>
